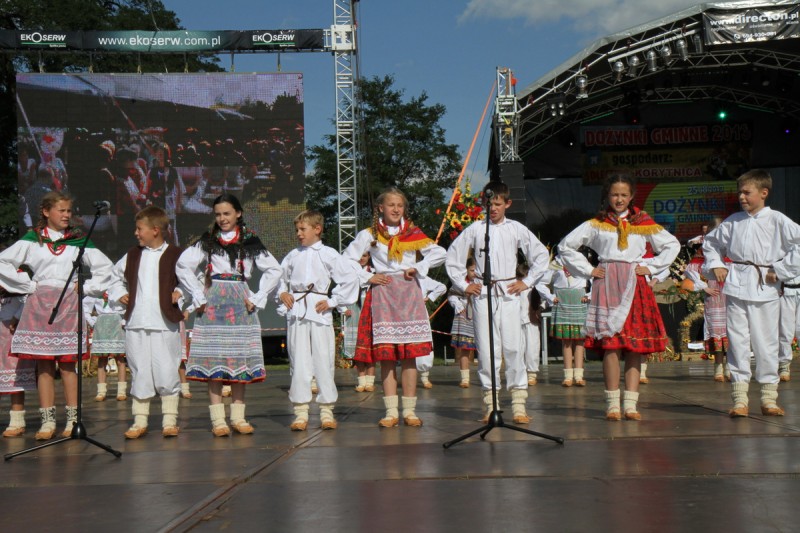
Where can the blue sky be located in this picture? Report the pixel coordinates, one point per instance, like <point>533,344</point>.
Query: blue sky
<point>447,49</point>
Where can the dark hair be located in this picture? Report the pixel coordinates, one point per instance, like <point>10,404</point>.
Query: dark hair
<point>611,180</point>
<point>471,262</point>
<point>535,307</point>
<point>227,199</point>
<point>499,189</point>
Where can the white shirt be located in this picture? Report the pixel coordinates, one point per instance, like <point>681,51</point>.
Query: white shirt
<point>432,290</point>
<point>432,256</point>
<point>94,307</point>
<point>193,260</point>
<point>316,265</point>
<point>146,313</point>
<point>767,238</point>
<point>604,243</point>
<point>505,238</point>
<point>50,269</point>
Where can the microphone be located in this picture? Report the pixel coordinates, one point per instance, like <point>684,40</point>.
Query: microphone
<point>488,194</point>
<point>102,205</point>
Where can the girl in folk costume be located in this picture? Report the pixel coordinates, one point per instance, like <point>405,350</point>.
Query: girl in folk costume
<point>16,375</point>
<point>570,302</point>
<point>366,371</point>
<point>108,341</point>
<point>715,332</point>
<point>226,338</point>
<point>50,251</point>
<point>623,318</point>
<point>462,333</point>
<point>394,326</point>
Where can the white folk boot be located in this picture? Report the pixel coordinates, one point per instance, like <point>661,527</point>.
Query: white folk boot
<point>518,409</point>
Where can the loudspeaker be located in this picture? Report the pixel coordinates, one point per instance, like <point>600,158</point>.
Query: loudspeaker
<point>512,173</point>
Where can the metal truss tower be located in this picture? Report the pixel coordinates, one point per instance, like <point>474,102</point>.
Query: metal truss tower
<point>506,119</point>
<point>344,48</point>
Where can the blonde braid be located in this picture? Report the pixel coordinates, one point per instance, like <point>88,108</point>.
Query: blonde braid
<point>375,227</point>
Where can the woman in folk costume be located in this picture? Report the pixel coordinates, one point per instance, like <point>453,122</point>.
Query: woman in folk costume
<point>394,323</point>
<point>715,331</point>
<point>50,250</point>
<point>623,318</point>
<point>16,375</point>
<point>226,338</point>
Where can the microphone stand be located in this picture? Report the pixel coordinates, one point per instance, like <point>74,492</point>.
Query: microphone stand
<point>78,430</point>
<point>495,418</point>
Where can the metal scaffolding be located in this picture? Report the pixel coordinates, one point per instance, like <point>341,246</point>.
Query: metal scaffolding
<point>343,46</point>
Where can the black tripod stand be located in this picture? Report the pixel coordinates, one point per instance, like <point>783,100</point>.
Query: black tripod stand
<point>78,430</point>
<point>495,418</point>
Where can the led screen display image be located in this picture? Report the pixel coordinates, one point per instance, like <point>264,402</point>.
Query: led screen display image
<point>176,141</point>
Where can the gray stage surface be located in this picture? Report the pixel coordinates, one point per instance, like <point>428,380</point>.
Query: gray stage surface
<point>685,467</point>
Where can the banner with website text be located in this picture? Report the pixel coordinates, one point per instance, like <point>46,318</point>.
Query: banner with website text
<point>164,41</point>
<point>697,152</point>
<point>729,26</point>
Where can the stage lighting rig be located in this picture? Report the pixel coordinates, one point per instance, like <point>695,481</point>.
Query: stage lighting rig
<point>582,84</point>
<point>618,68</point>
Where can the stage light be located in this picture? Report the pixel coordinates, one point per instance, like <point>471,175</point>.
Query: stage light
<point>722,114</point>
<point>556,106</point>
<point>697,40</point>
<point>683,49</point>
<point>582,83</point>
<point>618,68</point>
<point>665,53</point>
<point>634,63</point>
<point>651,57</point>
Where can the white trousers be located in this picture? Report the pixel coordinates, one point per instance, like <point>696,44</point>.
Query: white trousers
<point>752,325</point>
<point>154,358</point>
<point>531,346</point>
<point>424,363</point>
<point>312,354</point>
<point>506,322</point>
<point>790,319</point>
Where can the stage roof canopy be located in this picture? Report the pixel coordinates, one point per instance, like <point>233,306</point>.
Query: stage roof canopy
<point>745,53</point>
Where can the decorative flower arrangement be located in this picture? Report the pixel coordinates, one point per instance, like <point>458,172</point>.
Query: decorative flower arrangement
<point>464,212</point>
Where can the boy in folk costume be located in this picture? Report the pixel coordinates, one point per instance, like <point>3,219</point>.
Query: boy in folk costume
<point>506,237</point>
<point>762,245</point>
<point>148,286</point>
<point>303,290</point>
<point>432,290</point>
<point>394,326</point>
<point>790,323</point>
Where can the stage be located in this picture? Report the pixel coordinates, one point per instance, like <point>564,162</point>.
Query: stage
<point>685,467</point>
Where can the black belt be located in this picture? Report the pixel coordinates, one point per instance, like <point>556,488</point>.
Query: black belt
<point>791,286</point>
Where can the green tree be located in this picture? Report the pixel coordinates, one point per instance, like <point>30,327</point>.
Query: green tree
<point>76,15</point>
<point>403,146</point>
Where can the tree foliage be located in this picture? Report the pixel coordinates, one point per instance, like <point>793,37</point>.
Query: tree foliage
<point>403,145</point>
<point>77,15</point>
